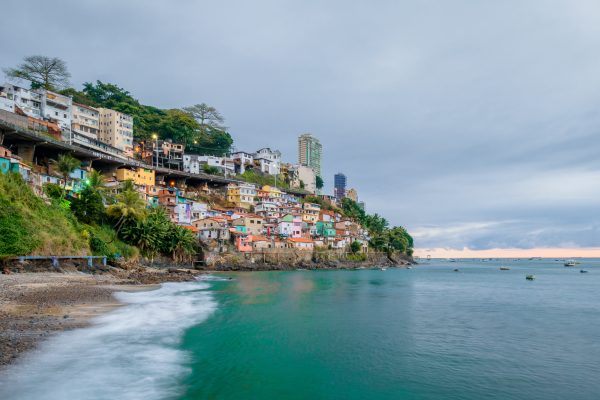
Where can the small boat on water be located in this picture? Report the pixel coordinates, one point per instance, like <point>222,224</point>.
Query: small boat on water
<point>530,277</point>
<point>504,269</point>
<point>570,263</point>
<point>456,270</point>
<point>383,268</point>
<point>409,267</point>
<point>583,271</point>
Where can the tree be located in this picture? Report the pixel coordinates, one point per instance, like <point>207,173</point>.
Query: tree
<point>207,116</point>
<point>49,73</point>
<point>210,169</point>
<point>89,207</point>
<point>129,206</point>
<point>146,119</point>
<point>212,138</point>
<point>355,247</point>
<point>179,126</point>
<point>352,210</point>
<point>78,97</point>
<point>319,182</point>
<point>180,243</point>
<point>66,164</point>
<point>95,181</point>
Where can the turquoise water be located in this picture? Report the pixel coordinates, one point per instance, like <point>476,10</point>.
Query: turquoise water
<point>423,333</point>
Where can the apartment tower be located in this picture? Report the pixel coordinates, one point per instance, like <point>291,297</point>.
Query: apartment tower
<point>339,186</point>
<point>309,152</point>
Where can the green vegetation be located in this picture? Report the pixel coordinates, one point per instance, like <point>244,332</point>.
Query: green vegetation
<point>251,176</point>
<point>211,170</point>
<point>198,127</point>
<point>319,182</point>
<point>325,204</point>
<point>355,246</point>
<point>79,226</point>
<point>383,238</point>
<point>66,164</point>
<point>30,226</point>
<point>157,234</point>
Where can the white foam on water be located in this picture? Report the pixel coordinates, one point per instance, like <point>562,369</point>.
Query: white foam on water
<point>129,353</point>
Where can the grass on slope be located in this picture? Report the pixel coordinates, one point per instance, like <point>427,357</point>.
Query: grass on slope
<point>29,226</point>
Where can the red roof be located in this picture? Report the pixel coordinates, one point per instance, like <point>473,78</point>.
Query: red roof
<point>259,239</point>
<point>300,240</point>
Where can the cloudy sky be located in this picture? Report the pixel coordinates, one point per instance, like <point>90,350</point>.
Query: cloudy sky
<point>473,123</point>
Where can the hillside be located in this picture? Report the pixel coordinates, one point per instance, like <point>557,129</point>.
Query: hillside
<point>30,226</point>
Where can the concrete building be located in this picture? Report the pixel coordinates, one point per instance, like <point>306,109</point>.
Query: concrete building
<point>254,224</point>
<point>139,176</point>
<point>300,176</point>
<point>37,103</point>
<point>309,152</point>
<point>241,194</point>
<point>339,186</point>
<point>116,130</point>
<point>242,160</point>
<point>168,154</point>
<point>352,194</point>
<point>194,163</point>
<point>268,161</point>
<point>86,121</point>
<point>58,108</point>
<point>310,213</point>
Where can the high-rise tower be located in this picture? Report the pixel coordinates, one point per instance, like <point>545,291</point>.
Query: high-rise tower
<point>339,186</point>
<point>309,152</point>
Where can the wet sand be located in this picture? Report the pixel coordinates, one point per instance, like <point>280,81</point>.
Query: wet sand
<point>36,305</point>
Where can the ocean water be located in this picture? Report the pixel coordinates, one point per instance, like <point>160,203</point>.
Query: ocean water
<point>423,333</point>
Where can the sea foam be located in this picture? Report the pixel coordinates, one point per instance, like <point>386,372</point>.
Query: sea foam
<point>130,353</point>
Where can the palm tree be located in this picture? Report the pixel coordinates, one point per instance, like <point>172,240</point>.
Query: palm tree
<point>129,205</point>
<point>66,164</point>
<point>95,181</point>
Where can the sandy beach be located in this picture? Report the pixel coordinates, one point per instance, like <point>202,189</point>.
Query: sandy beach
<point>36,305</point>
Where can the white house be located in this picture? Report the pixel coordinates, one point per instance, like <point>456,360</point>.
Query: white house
<point>241,160</point>
<point>269,160</point>
<point>37,103</point>
<point>194,163</point>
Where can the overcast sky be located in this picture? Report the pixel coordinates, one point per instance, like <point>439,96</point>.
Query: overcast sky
<point>472,123</point>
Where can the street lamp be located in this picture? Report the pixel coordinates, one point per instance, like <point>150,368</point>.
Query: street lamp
<point>155,149</point>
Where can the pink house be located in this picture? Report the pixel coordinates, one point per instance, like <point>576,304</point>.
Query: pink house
<point>243,241</point>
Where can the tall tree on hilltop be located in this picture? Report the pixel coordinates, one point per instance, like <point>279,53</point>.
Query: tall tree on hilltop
<point>207,116</point>
<point>179,126</point>
<point>212,137</point>
<point>49,73</point>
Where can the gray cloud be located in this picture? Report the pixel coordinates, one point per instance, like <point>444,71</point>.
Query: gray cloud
<point>443,114</point>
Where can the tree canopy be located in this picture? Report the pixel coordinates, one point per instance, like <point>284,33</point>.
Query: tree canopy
<point>51,73</point>
<point>199,127</point>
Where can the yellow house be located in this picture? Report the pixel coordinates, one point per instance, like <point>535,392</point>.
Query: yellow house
<point>241,194</point>
<point>139,176</point>
<point>270,193</point>
<point>310,213</point>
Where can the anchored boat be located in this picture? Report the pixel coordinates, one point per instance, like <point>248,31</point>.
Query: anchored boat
<point>530,277</point>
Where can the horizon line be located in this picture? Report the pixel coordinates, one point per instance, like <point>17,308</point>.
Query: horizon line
<point>543,252</point>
